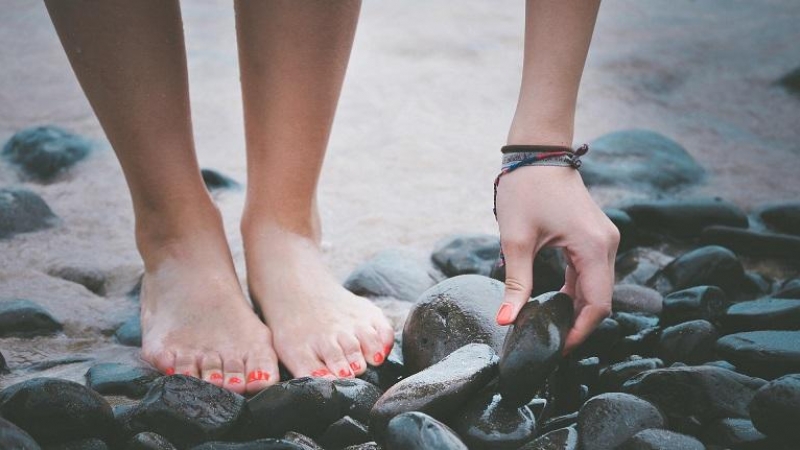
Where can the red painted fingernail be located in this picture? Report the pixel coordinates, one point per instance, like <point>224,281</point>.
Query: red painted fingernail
<point>344,373</point>
<point>234,380</point>
<point>504,315</point>
<point>320,373</point>
<point>170,371</point>
<point>355,366</point>
<point>378,357</point>
<point>216,376</point>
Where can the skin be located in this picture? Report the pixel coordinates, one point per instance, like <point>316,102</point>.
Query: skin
<point>548,206</point>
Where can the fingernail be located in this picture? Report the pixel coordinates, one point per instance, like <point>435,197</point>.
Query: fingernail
<point>216,376</point>
<point>355,366</point>
<point>378,357</point>
<point>504,315</point>
<point>170,371</point>
<point>320,373</point>
<point>234,380</point>
<point>344,373</point>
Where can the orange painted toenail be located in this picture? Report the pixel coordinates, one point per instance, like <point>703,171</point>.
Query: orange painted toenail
<point>504,315</point>
<point>378,357</point>
<point>355,366</point>
<point>320,373</point>
<point>387,349</point>
<point>216,376</point>
<point>170,371</point>
<point>234,380</point>
<point>257,375</point>
<point>344,373</point>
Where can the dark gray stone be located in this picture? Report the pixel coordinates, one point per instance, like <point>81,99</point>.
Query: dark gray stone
<point>609,419</point>
<point>356,398</point>
<point>699,394</point>
<point>533,346</point>
<point>55,362</point>
<point>81,444</point>
<point>41,153</point>
<point>92,279</point>
<point>689,342</point>
<point>130,332</point>
<point>554,423</point>
<point>53,410</point>
<point>765,354</point>
<point>615,375</point>
<point>23,211</point>
<point>762,314</point>
<point>660,439</point>
<point>3,365</point>
<point>454,313</point>
<point>632,323</point>
<point>602,340</point>
<point>302,440</point>
<point>627,158</point>
<point>372,445</point>
<point>120,379</point>
<point>684,218</point>
<point>754,243</point>
<point>465,254</point>
<point>636,299</point>
<point>696,303</point>
<point>187,410</point>
<point>387,374</point>
<point>638,265</point>
<point>789,289</point>
<point>416,430</point>
<point>261,444</point>
<point>791,81</point>
<point>391,273</point>
<point>13,437</point>
<point>215,181</point>
<point>26,318</point>
<point>549,266</point>
<point>344,433</point>
<point>705,266</point>
<point>736,433</point>
<point>149,441</point>
<point>782,217</point>
<point>560,439</point>
<point>438,390</point>
<point>488,423</point>
<point>643,343</point>
<point>775,409</point>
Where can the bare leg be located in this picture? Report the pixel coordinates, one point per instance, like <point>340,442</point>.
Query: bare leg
<point>293,55</point>
<point>130,60</point>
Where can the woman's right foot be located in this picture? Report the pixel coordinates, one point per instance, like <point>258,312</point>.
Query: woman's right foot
<point>195,318</point>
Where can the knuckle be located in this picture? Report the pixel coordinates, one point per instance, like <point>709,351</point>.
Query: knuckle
<point>514,285</point>
<point>513,244</point>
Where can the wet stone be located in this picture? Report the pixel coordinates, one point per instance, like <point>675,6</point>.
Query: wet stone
<point>684,218</point>
<point>53,410</point>
<point>149,441</point>
<point>753,243</point>
<point>698,394</point>
<point>588,370</point>
<point>3,365</point>
<point>601,341</point>
<point>734,433</point>
<point>372,445</point>
<point>638,265</point>
<point>301,440</point>
<point>636,299</point>
<point>705,266</point>
<point>488,423</point>
<point>438,390</point>
<point>387,374</point>
<point>416,430</point>
<point>391,273</point>
<point>782,217</point>
<point>187,410</point>
<point>50,363</point>
<point>260,444</point>
<point>775,408</point>
<point>554,423</point>
<point>26,318</point>
<point>689,342</point>
<point>533,345</point>
<point>632,323</point>
<point>120,379</point>
<point>789,289</point>
<point>560,439</point>
<point>81,444</point>
<point>762,314</point>
<point>765,354</point>
<point>14,437</point>
<point>130,332</point>
<point>343,433</point>
<point>660,439</point>
<point>215,180</point>
<point>615,375</point>
<point>609,419</point>
<point>456,312</point>
<point>549,265</point>
<point>41,153</point>
<point>467,254</point>
<point>626,159</point>
<point>643,343</point>
<point>356,398</point>
<point>700,302</point>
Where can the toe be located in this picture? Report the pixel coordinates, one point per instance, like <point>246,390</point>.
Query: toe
<point>186,364</point>
<point>333,356</point>
<point>352,352</point>
<point>371,346</point>
<point>163,361</point>
<point>386,335</point>
<point>211,369</point>
<point>305,363</point>
<point>262,372</point>
<point>233,373</point>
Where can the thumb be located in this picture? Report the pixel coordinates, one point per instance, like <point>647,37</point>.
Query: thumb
<point>519,279</point>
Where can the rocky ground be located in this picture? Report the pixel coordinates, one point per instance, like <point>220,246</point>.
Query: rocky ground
<point>702,349</point>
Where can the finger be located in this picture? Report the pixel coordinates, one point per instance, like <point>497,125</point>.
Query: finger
<point>569,279</point>
<point>594,285</point>
<point>519,277</point>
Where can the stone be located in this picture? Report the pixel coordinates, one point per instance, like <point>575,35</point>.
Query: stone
<point>55,362</point>
<point>555,423</point>
<point>187,410</point>
<point>387,374</point>
<point>564,391</point>
<point>3,365</point>
<point>53,410</point>
<point>660,439</point>
<point>130,332</point>
<point>615,375</point>
<point>81,444</point>
<point>765,354</point>
<point>14,437</point>
<point>697,394</point>
<point>549,266</point>
<point>602,340</point>
<point>684,218</point>
<point>215,181</point>
<point>23,211</point>
<point>302,440</point>
<point>753,243</point>
<point>638,265</point>
<point>775,408</point>
<point>343,433</point>
<point>26,318</point>
<point>704,266</point>
<point>438,390</point>
<point>789,289</point>
<point>356,398</point>
<point>689,342</point>
<point>791,81</point>
<point>261,444</point>
<point>465,254</point>
<point>644,343</point>
<point>782,217</point>
<point>632,323</point>
<point>588,370</point>
<point>627,158</point>
<point>560,439</point>
<point>372,445</point>
<point>636,299</point>
<point>391,273</point>
<point>149,441</point>
<point>734,433</point>
<point>696,303</point>
<point>42,153</point>
<point>456,312</point>
<point>120,379</point>
<point>92,279</point>
<point>488,423</point>
<point>627,229</point>
<point>607,420</point>
<point>762,314</point>
<point>416,430</point>
<point>532,348</point>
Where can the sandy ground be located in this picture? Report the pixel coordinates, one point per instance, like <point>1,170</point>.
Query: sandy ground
<point>430,93</point>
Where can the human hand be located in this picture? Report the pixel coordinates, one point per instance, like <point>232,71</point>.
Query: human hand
<point>549,206</point>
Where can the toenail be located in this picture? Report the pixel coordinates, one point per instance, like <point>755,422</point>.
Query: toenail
<point>344,373</point>
<point>234,380</point>
<point>257,375</point>
<point>170,371</point>
<point>355,366</point>
<point>320,373</point>
<point>387,349</point>
<point>378,357</point>
<point>216,376</point>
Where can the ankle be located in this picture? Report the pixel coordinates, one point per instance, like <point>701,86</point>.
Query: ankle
<point>258,221</point>
<point>533,131</point>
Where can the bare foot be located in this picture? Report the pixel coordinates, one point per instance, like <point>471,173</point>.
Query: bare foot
<point>320,328</point>
<point>195,318</point>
